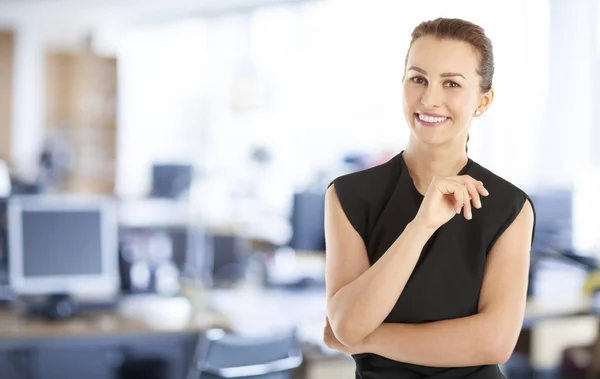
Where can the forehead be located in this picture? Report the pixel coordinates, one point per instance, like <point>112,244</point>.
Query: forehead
<point>436,56</point>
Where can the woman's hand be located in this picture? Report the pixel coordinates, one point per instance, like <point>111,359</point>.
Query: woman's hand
<point>446,197</point>
<point>332,342</point>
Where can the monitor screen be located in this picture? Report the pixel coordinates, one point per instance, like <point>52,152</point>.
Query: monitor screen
<point>66,245</point>
<point>171,180</point>
<point>308,228</point>
<point>61,243</point>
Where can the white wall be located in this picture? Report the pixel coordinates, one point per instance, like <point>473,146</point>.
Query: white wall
<point>161,78</point>
<point>28,100</point>
<point>333,73</point>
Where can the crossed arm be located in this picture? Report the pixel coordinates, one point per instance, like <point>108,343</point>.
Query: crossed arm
<point>487,337</point>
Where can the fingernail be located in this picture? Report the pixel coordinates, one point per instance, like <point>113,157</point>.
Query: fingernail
<point>485,192</point>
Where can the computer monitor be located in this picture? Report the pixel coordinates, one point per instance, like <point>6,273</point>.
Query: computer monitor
<point>171,180</point>
<point>63,245</point>
<point>308,228</point>
<point>554,220</point>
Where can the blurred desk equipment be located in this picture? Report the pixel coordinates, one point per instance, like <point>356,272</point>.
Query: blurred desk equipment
<point>64,249</point>
<point>229,255</point>
<point>223,355</point>
<point>159,239</point>
<point>145,337</point>
<point>561,275</point>
<point>5,190</point>
<point>5,184</point>
<point>301,263</point>
<point>554,220</point>
<point>146,261</point>
<point>291,269</point>
<point>307,221</point>
<point>6,294</point>
<point>553,235</point>
<point>171,180</point>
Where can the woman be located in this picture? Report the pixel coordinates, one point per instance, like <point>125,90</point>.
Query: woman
<point>426,270</point>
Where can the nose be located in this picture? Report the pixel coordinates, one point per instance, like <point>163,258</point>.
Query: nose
<point>432,97</point>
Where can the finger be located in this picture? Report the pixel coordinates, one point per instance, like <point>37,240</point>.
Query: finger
<point>481,188</point>
<point>475,199</point>
<point>459,196</point>
<point>477,183</point>
<point>467,212</point>
<point>452,188</point>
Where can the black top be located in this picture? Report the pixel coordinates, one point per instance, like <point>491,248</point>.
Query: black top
<point>446,281</point>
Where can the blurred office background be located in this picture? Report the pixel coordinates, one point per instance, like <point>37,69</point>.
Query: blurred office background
<point>164,164</point>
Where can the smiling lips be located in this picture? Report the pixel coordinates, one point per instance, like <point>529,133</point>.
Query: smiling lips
<point>428,119</point>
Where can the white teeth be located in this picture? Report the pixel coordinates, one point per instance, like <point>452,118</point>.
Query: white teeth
<point>432,119</point>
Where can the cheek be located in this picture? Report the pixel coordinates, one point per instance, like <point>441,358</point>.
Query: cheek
<point>411,96</point>
<point>460,104</point>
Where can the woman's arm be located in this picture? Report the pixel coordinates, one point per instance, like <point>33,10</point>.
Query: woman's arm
<point>360,296</point>
<point>488,337</point>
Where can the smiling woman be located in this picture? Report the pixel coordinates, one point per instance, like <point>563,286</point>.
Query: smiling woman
<point>461,80</point>
<point>414,288</point>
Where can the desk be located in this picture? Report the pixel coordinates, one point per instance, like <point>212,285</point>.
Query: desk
<point>122,321</point>
<point>536,310</point>
<point>100,341</point>
<point>550,327</point>
<point>95,344</point>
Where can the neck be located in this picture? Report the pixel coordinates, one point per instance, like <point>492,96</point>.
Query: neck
<point>425,162</point>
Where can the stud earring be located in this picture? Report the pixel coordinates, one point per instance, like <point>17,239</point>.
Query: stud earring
<point>477,112</point>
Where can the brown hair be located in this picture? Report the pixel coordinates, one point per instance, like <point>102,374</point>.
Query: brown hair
<point>461,30</point>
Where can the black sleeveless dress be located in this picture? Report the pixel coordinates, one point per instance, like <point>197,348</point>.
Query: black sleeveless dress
<point>445,284</point>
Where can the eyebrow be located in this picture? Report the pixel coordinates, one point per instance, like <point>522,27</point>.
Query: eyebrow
<point>443,75</point>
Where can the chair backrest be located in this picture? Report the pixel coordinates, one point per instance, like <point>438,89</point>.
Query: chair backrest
<point>222,355</point>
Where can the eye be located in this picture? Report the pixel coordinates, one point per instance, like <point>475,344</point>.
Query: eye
<point>418,80</point>
<point>452,84</point>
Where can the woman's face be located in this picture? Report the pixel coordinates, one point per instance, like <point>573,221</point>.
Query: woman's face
<point>442,90</point>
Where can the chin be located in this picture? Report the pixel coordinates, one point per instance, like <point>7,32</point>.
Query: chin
<point>437,139</point>
<point>435,135</point>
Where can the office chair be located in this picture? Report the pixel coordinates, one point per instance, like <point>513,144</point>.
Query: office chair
<point>222,355</point>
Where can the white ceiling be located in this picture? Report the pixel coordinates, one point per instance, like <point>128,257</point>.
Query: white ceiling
<point>66,23</point>
<point>23,10</point>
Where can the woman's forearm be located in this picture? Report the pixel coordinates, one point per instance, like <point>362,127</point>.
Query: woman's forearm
<point>357,309</point>
<point>467,341</point>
